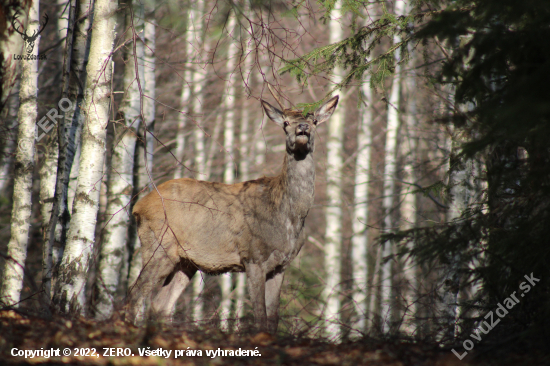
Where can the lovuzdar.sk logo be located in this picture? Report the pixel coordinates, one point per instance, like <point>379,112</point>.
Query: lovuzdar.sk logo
<point>29,39</point>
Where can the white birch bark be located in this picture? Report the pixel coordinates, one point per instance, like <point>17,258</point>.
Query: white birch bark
<point>200,167</point>
<point>48,170</point>
<point>12,44</point>
<point>118,213</point>
<point>244,162</point>
<point>12,277</point>
<point>409,204</point>
<point>195,37</point>
<point>390,170</point>
<point>149,66</point>
<point>184,115</point>
<point>69,296</point>
<point>68,132</point>
<point>228,142</point>
<point>10,139</point>
<point>333,214</point>
<point>144,152</point>
<point>359,241</point>
<point>460,173</point>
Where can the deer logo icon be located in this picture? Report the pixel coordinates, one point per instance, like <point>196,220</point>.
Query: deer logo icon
<point>29,40</point>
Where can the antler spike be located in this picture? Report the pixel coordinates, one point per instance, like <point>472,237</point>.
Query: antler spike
<point>15,27</point>
<point>275,96</point>
<point>43,25</point>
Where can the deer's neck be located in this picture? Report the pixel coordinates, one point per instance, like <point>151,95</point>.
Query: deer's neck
<point>298,175</point>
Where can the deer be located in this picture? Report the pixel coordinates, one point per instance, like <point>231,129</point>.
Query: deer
<point>29,40</point>
<point>257,227</point>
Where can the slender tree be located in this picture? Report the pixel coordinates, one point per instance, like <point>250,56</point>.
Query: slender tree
<point>229,105</point>
<point>69,296</point>
<point>408,212</point>
<point>10,139</point>
<point>187,86</point>
<point>144,149</point>
<point>120,185</point>
<point>245,147</point>
<point>11,18</point>
<point>360,240</point>
<point>390,171</point>
<point>12,277</point>
<point>333,214</point>
<point>77,47</point>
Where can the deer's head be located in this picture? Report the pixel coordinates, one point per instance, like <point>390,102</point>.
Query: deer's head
<point>29,40</point>
<point>300,129</point>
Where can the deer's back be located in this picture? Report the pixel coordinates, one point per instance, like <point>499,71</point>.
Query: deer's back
<point>215,225</point>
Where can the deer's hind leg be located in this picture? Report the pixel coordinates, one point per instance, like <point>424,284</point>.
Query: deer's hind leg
<point>157,266</point>
<point>164,303</point>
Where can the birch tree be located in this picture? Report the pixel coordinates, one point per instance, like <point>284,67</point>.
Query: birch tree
<point>333,214</point>
<point>187,85</point>
<point>12,44</point>
<point>69,296</point>
<point>247,45</point>
<point>67,139</point>
<point>228,141</point>
<point>360,238</point>
<point>390,171</point>
<point>48,168</point>
<point>144,150</point>
<point>12,277</point>
<point>409,201</point>
<point>196,43</point>
<point>122,169</point>
<point>10,138</point>
<point>461,192</point>
<point>245,156</point>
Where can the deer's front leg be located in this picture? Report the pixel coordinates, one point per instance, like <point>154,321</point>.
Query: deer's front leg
<point>256,289</point>
<point>272,295</point>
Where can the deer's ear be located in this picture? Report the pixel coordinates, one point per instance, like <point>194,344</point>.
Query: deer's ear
<point>273,113</point>
<point>326,110</point>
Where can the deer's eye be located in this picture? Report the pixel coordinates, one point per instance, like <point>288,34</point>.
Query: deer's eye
<point>286,123</point>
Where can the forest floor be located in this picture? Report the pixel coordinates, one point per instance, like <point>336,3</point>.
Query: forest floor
<point>114,342</point>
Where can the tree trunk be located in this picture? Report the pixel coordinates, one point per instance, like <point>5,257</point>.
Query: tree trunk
<point>12,277</point>
<point>245,157</point>
<point>12,44</point>
<point>460,172</point>
<point>77,48</point>
<point>390,171</point>
<point>186,101</point>
<point>144,150</point>
<point>10,139</point>
<point>360,241</point>
<point>333,215</point>
<point>69,296</point>
<point>409,205</point>
<point>117,214</point>
<point>196,35</point>
<point>228,141</point>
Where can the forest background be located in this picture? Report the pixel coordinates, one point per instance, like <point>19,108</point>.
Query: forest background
<point>432,176</point>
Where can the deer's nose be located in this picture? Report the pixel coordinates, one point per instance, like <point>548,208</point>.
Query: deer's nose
<point>303,126</point>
